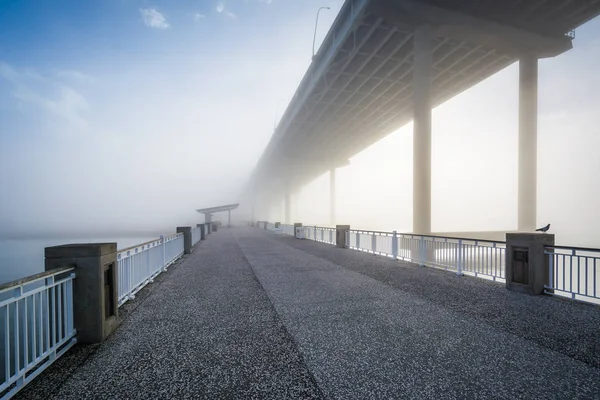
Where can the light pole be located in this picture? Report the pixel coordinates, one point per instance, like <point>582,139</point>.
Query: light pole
<point>316,24</point>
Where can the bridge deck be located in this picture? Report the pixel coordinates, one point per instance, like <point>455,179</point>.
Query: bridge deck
<point>253,315</point>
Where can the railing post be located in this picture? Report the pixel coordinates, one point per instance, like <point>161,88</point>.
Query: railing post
<point>202,231</point>
<point>459,258</point>
<point>527,264</point>
<point>342,236</point>
<point>94,292</point>
<point>187,238</point>
<point>395,245</point>
<point>551,269</point>
<point>164,252</point>
<point>315,233</point>
<point>373,243</point>
<point>422,251</point>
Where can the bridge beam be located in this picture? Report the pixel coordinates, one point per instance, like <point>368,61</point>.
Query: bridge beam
<point>528,110</point>
<point>493,35</point>
<point>423,51</point>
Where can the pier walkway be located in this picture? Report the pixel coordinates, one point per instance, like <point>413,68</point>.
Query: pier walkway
<point>255,315</point>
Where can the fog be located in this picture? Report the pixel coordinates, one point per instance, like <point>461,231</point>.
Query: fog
<point>124,116</point>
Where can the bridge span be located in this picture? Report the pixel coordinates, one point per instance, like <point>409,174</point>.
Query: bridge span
<point>387,62</point>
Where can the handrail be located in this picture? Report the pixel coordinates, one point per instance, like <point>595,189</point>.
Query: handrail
<point>427,236</point>
<point>571,248</point>
<point>149,242</point>
<point>34,277</point>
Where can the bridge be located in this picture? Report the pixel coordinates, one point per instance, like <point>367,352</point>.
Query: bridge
<point>282,310</point>
<point>385,63</point>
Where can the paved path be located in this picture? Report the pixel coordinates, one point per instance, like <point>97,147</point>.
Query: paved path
<point>253,315</point>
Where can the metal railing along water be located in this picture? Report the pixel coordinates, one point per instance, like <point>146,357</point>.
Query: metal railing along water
<point>36,312</point>
<point>325,235</point>
<point>574,272</point>
<point>481,258</point>
<point>287,229</point>
<point>138,265</point>
<point>196,235</point>
<point>37,320</point>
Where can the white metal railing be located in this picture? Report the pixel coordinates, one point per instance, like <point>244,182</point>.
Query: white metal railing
<point>196,235</point>
<point>324,235</point>
<point>574,272</point>
<point>287,229</point>
<point>138,265</point>
<point>37,326</point>
<point>464,256</point>
<point>270,226</point>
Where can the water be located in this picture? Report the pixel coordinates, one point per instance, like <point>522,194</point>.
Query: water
<point>24,257</point>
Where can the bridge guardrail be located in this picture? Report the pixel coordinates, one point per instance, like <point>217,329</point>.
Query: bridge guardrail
<point>574,272</point>
<point>38,327</point>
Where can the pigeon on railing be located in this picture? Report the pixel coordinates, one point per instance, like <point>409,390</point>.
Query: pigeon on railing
<point>544,229</point>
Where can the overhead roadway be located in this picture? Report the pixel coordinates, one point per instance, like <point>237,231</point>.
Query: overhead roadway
<point>358,89</point>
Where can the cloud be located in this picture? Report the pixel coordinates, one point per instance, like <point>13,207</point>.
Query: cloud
<point>198,16</point>
<point>221,9</point>
<point>75,76</point>
<point>47,93</point>
<point>154,19</point>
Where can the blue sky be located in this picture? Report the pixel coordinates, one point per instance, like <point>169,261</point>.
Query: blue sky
<point>132,113</point>
<point>141,98</point>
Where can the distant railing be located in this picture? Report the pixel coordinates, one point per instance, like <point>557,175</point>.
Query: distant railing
<point>37,319</point>
<point>325,235</point>
<point>138,265</point>
<point>287,229</point>
<point>480,258</point>
<point>574,272</point>
<point>196,235</point>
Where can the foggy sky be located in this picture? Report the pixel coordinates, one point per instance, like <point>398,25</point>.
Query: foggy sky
<point>130,115</point>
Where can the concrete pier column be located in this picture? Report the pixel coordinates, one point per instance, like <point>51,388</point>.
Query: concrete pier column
<point>202,231</point>
<point>340,235</point>
<point>527,267</point>
<point>187,238</point>
<point>95,292</point>
<point>288,207</point>
<point>422,130</point>
<point>332,196</point>
<point>229,218</point>
<point>528,110</point>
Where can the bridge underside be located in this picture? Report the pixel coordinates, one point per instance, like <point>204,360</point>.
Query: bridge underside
<point>359,87</point>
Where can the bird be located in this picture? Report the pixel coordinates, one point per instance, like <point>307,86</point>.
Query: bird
<point>544,229</point>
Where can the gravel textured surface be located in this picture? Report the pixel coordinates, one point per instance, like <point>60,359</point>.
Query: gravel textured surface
<point>250,314</point>
<point>565,326</point>
<point>369,327</point>
<point>207,330</point>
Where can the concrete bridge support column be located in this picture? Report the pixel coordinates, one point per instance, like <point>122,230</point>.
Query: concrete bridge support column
<point>332,196</point>
<point>423,50</point>
<point>528,109</point>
